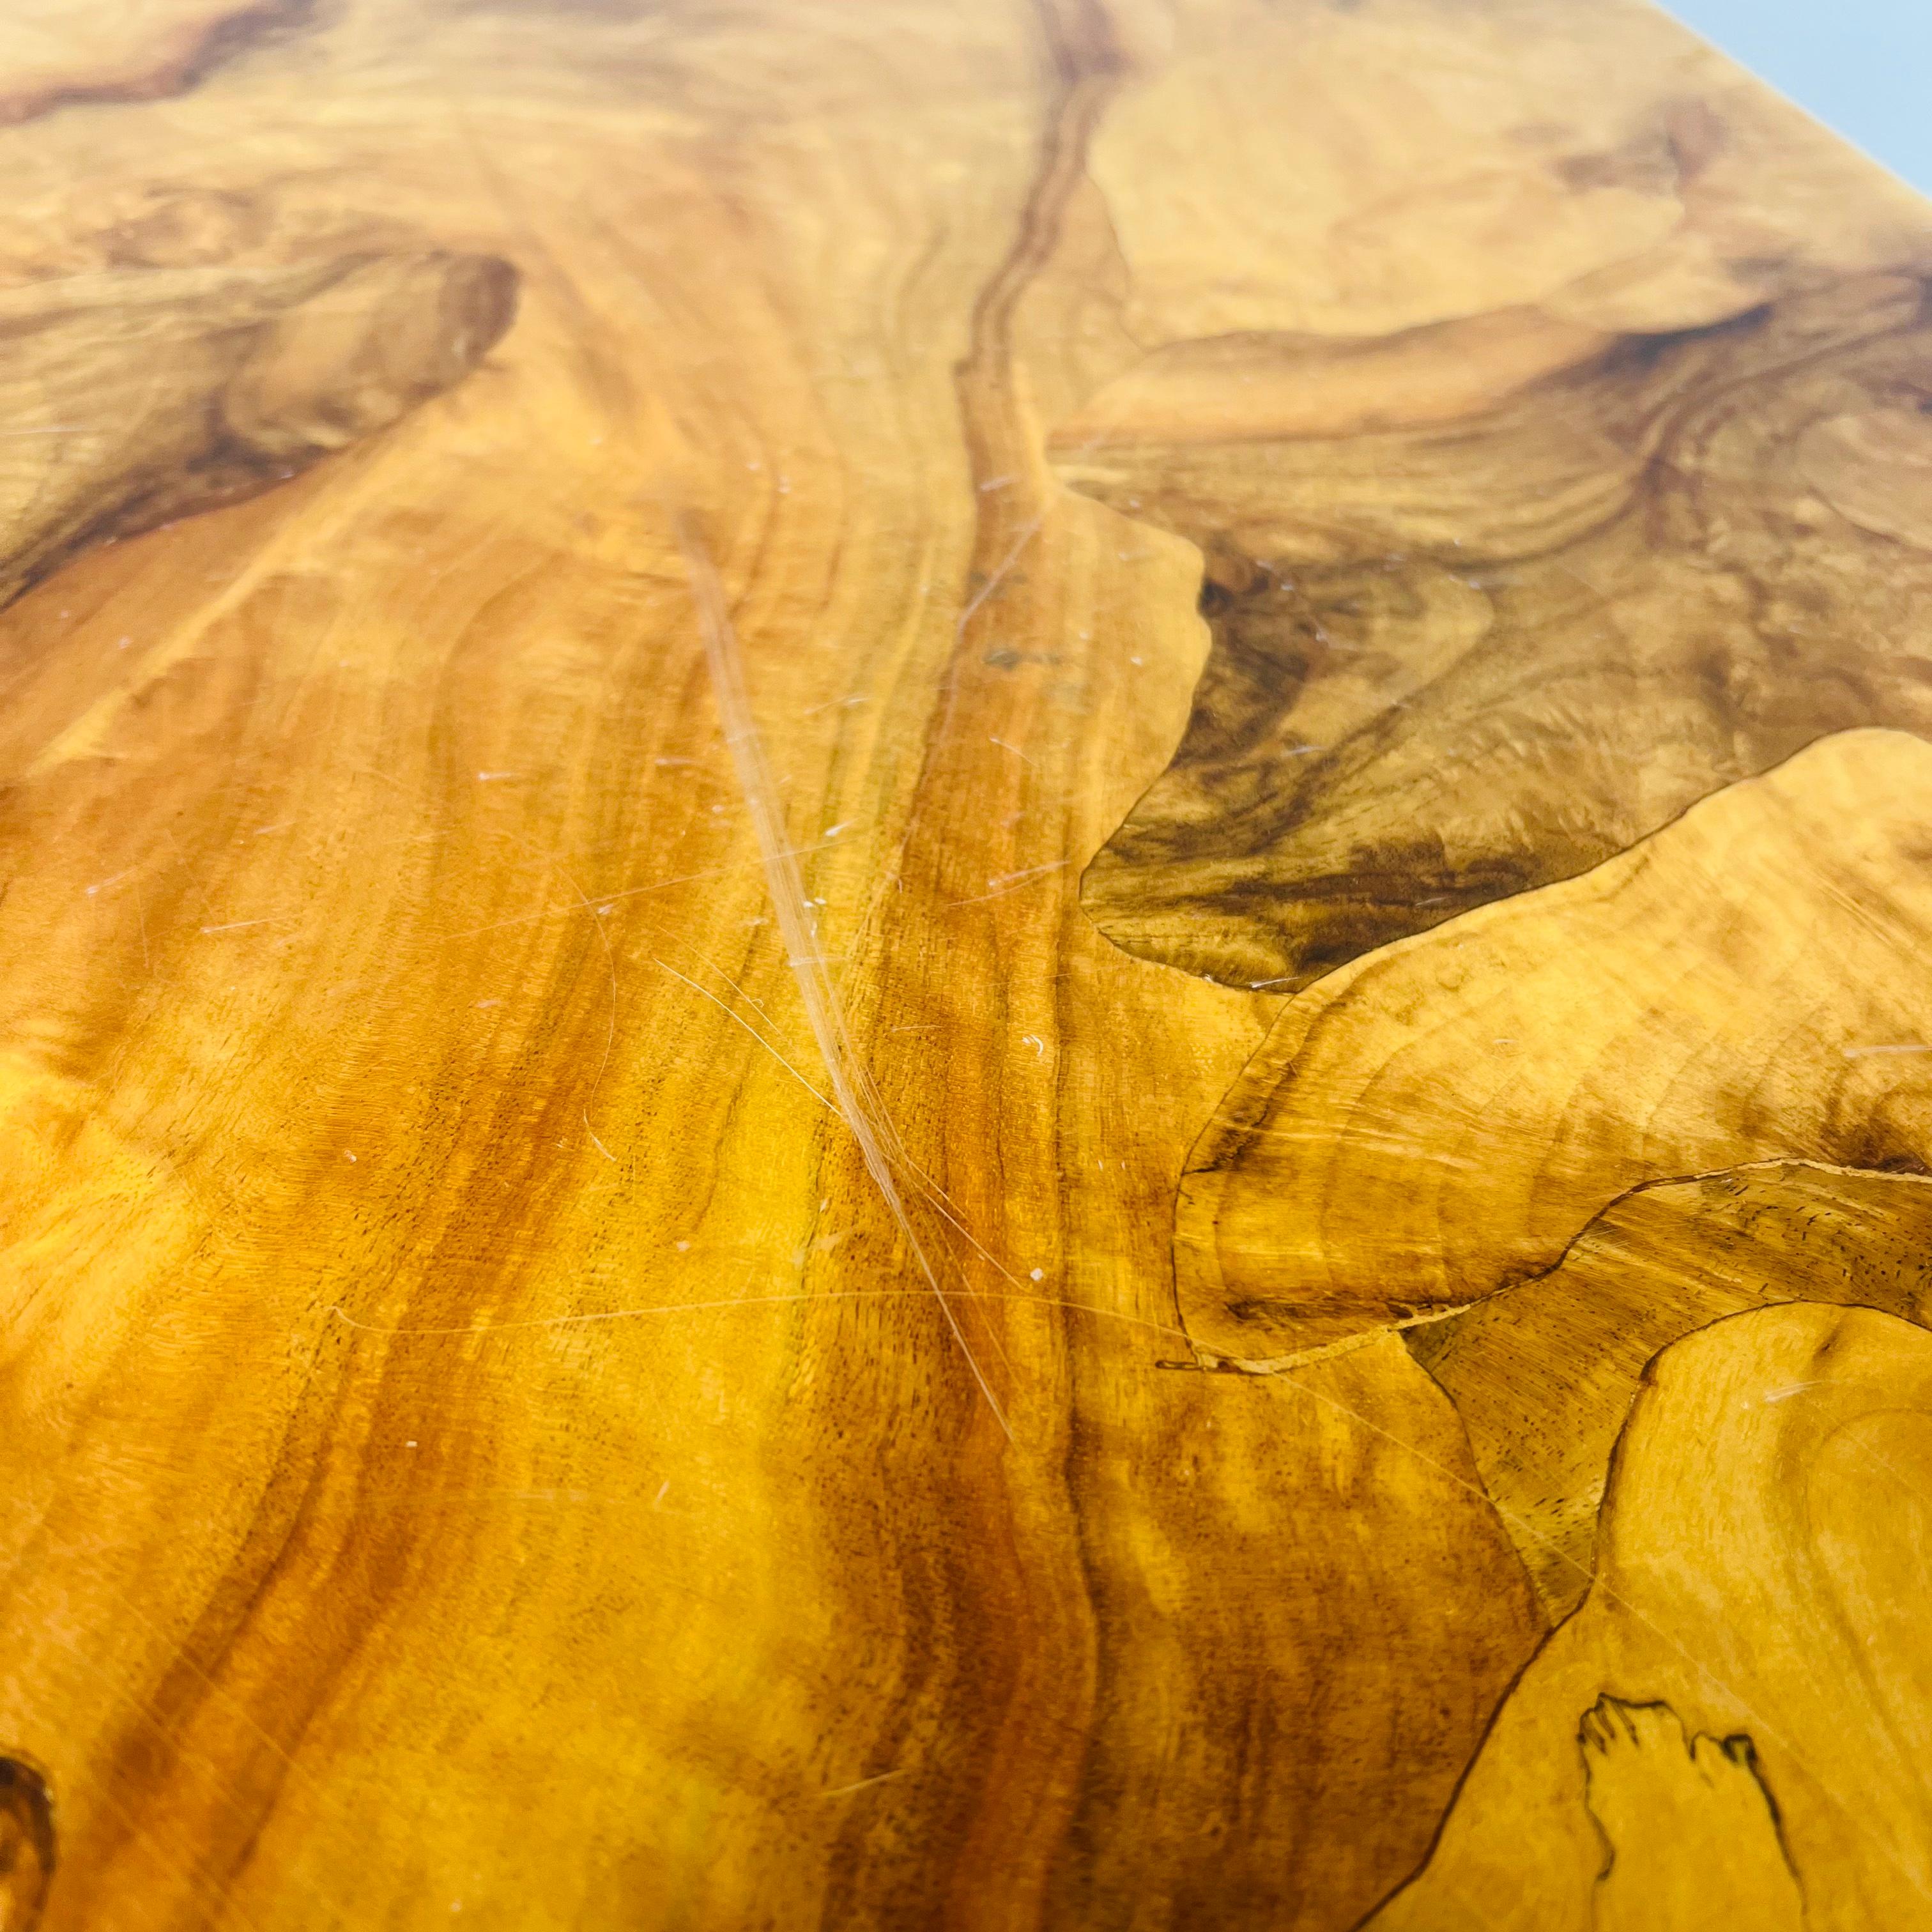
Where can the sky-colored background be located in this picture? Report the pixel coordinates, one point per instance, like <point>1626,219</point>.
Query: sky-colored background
<point>1864,67</point>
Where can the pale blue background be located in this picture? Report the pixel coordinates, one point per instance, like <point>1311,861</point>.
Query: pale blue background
<point>1864,67</point>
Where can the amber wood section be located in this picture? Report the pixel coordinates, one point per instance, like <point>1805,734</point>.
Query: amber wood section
<point>1542,1375</point>
<point>1765,1536</point>
<point>1455,659</point>
<point>653,654</point>
<point>1441,1119</point>
<point>134,398</point>
<point>27,1849</point>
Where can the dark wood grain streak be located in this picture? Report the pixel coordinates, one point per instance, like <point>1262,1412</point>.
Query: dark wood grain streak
<point>27,1844</point>
<point>1463,659</point>
<point>184,51</point>
<point>134,398</point>
<point>1542,1375</point>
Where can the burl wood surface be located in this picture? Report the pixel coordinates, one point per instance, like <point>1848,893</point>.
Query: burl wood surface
<point>960,966</point>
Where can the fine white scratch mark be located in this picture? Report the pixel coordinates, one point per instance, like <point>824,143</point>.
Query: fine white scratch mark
<point>823,1101</point>
<point>1866,1052</point>
<point>239,925</point>
<point>610,961</point>
<point>607,899</point>
<point>793,1299</point>
<point>864,1783</point>
<point>1029,872</point>
<point>999,573</point>
<point>1796,1388</point>
<point>1011,882</point>
<point>929,1190</point>
<point>141,914</point>
<point>858,1099</point>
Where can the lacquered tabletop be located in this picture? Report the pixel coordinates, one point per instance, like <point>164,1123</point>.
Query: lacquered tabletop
<point>961,967</point>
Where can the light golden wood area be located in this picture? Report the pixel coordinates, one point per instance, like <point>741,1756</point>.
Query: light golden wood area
<point>960,966</point>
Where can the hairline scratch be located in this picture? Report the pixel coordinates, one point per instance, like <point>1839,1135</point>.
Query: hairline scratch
<point>860,1104</point>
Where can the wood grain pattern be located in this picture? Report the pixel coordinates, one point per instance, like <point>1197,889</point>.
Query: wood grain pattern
<point>1542,1375</point>
<point>61,56</point>
<point>27,1847</point>
<point>1439,1121</point>
<point>1456,659</point>
<point>1764,1534</point>
<point>133,398</point>
<point>591,1331</point>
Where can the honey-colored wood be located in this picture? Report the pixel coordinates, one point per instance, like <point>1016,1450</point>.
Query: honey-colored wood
<point>1763,1548</point>
<point>1542,1375</point>
<point>959,967</point>
<point>1441,1119</point>
<point>1460,656</point>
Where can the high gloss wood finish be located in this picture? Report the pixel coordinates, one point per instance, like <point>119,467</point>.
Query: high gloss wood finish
<point>961,967</point>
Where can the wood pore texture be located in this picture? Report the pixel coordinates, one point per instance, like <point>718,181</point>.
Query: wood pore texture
<point>960,966</point>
